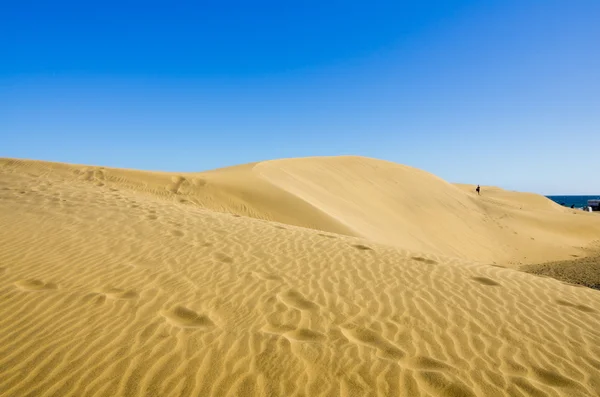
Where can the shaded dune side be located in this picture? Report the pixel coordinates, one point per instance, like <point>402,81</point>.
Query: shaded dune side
<point>108,292</point>
<point>580,271</point>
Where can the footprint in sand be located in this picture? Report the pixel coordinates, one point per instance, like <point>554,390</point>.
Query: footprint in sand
<point>553,378</point>
<point>35,285</point>
<point>178,183</point>
<point>183,317</point>
<point>119,294</point>
<point>304,335</point>
<point>485,281</point>
<point>442,385</point>
<point>575,306</point>
<point>223,258</point>
<point>177,233</point>
<point>424,260</point>
<point>294,334</point>
<point>198,182</point>
<point>295,299</point>
<point>95,297</point>
<point>366,337</point>
<point>427,363</point>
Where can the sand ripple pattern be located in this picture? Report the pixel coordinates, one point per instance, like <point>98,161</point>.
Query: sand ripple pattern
<point>106,291</point>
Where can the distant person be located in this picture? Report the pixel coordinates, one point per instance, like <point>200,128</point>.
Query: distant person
<point>478,190</point>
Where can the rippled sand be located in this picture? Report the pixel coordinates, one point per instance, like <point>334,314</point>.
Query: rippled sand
<point>308,277</point>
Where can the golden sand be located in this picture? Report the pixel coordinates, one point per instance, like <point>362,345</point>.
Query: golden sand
<point>340,276</point>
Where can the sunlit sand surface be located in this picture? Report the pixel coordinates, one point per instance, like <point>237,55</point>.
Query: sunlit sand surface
<point>341,276</point>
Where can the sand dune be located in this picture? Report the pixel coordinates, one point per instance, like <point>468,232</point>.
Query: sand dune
<point>305,277</point>
<point>409,208</point>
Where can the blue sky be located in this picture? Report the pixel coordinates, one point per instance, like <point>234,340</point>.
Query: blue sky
<point>493,92</point>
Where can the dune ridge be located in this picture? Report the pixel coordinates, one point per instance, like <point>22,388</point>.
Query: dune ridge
<point>374,199</point>
<point>263,280</point>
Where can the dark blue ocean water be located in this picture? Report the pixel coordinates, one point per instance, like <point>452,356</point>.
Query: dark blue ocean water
<point>578,201</point>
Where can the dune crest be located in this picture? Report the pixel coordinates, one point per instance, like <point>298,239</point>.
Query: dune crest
<point>368,198</point>
<point>318,277</point>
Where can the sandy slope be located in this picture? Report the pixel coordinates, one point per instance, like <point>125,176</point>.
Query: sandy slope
<point>116,282</point>
<point>412,209</point>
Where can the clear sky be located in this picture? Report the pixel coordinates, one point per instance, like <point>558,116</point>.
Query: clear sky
<point>502,92</point>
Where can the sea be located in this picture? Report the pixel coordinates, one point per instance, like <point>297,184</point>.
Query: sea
<point>577,201</point>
